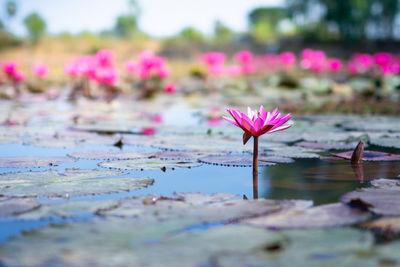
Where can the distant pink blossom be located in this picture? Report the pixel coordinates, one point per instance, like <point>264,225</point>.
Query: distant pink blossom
<point>287,59</point>
<point>214,121</point>
<point>131,66</point>
<point>9,68</point>
<point>382,59</point>
<point>170,88</point>
<point>334,65</point>
<point>360,63</point>
<point>105,58</point>
<point>18,76</point>
<point>234,70</point>
<point>314,60</point>
<point>244,57</point>
<point>216,70</point>
<point>157,119</point>
<point>148,66</point>
<point>106,75</point>
<point>40,70</point>
<point>70,69</point>
<point>148,131</point>
<point>214,58</point>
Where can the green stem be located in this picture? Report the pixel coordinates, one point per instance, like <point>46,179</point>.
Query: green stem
<point>255,168</point>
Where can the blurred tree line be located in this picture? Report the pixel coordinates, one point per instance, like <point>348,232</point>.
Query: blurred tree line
<point>346,20</point>
<point>317,20</point>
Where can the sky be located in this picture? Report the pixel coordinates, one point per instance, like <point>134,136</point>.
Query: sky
<point>159,18</point>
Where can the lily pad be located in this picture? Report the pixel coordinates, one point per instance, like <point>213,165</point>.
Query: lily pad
<point>112,154</point>
<point>184,155</point>
<point>9,139</point>
<point>201,199</point>
<point>32,162</point>
<point>71,139</point>
<point>74,182</point>
<point>292,152</point>
<point>393,142</point>
<point>68,209</point>
<point>374,124</point>
<point>327,247</point>
<point>327,146</point>
<point>324,216</point>
<point>385,225</point>
<point>115,242</point>
<point>384,199</point>
<point>148,164</point>
<point>370,156</point>
<point>15,206</point>
<point>332,137</point>
<point>235,160</point>
<point>162,209</point>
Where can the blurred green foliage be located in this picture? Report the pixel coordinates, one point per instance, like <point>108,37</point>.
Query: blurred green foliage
<point>126,26</point>
<point>264,22</point>
<point>36,26</point>
<point>221,32</point>
<point>191,34</point>
<point>349,20</point>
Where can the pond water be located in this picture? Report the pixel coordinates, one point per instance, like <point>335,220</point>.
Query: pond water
<point>322,181</point>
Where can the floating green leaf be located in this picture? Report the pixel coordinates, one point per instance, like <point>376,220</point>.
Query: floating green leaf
<point>73,182</point>
<point>148,164</point>
<point>32,162</point>
<point>15,206</point>
<point>331,215</point>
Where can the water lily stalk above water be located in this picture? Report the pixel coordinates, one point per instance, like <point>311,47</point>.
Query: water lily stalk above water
<point>257,123</point>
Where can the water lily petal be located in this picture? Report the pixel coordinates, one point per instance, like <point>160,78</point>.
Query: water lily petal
<point>231,121</point>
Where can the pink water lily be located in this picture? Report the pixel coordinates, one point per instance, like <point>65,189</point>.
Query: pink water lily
<point>254,124</point>
<point>257,123</point>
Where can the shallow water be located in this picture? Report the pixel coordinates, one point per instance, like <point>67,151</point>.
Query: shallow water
<point>310,179</point>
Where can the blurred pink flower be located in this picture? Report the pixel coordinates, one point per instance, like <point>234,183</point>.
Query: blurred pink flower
<point>40,70</point>
<point>131,66</point>
<point>170,88</point>
<point>314,60</point>
<point>70,69</point>
<point>148,131</point>
<point>214,121</point>
<point>234,70</point>
<point>214,58</point>
<point>287,59</point>
<point>18,76</point>
<point>216,70</point>
<point>244,57</point>
<point>382,59</point>
<point>334,65</point>
<point>9,68</point>
<point>157,119</point>
<point>105,58</point>
<point>148,66</point>
<point>106,75</point>
<point>360,63</point>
